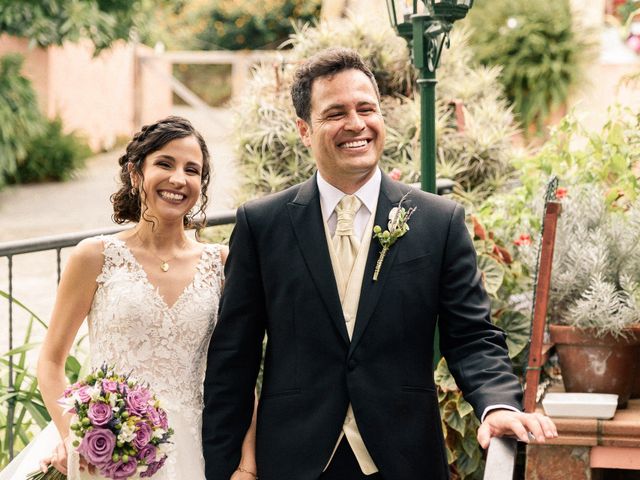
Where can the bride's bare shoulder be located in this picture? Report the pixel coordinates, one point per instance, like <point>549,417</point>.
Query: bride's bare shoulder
<point>89,254</point>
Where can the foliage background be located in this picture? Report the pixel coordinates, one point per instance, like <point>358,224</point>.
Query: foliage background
<point>32,148</point>
<point>540,47</point>
<point>476,156</point>
<point>52,22</point>
<point>20,118</point>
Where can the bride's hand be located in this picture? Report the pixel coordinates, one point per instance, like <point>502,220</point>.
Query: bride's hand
<point>244,475</point>
<point>57,459</point>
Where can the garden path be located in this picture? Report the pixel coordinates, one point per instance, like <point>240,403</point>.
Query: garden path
<point>29,211</point>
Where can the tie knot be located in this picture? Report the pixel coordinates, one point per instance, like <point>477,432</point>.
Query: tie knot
<point>346,211</point>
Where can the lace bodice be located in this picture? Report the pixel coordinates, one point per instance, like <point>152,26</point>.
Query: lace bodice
<point>131,326</point>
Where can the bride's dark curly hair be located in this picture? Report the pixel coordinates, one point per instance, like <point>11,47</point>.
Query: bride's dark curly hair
<point>151,138</point>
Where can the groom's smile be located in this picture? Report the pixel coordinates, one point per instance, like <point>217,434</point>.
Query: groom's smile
<point>346,134</point>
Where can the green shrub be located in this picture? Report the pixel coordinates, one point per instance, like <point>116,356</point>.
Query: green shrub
<point>51,156</point>
<point>272,156</point>
<point>234,25</point>
<point>53,22</point>
<point>540,49</point>
<point>20,118</point>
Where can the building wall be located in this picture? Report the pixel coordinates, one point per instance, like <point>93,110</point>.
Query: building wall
<point>94,95</point>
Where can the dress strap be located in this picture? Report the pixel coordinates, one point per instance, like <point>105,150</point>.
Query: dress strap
<point>211,270</point>
<point>116,256</point>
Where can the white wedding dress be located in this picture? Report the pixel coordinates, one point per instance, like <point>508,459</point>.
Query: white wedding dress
<point>132,328</point>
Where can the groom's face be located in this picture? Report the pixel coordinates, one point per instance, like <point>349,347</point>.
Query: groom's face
<point>346,134</point>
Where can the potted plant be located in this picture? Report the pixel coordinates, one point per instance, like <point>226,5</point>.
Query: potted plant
<point>594,300</point>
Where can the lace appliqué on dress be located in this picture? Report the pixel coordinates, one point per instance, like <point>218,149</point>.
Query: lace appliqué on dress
<point>131,327</point>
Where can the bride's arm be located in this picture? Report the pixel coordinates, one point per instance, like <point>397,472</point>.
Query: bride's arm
<point>248,468</point>
<point>73,301</point>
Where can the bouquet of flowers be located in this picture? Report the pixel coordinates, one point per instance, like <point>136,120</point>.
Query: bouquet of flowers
<point>119,426</point>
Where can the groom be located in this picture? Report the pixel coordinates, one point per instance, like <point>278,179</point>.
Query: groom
<point>348,390</point>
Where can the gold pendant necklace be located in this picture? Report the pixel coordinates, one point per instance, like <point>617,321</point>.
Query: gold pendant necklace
<point>164,264</point>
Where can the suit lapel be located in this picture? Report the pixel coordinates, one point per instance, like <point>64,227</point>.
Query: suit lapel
<point>390,195</point>
<point>308,225</point>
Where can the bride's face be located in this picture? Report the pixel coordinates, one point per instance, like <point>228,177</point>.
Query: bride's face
<point>172,178</point>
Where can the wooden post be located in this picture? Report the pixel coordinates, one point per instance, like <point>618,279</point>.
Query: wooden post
<point>536,355</point>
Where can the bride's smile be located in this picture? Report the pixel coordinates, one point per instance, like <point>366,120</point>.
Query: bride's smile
<point>174,175</point>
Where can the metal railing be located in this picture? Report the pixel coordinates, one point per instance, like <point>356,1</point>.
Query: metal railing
<point>57,243</point>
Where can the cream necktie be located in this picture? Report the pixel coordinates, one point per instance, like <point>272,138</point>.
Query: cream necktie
<point>345,243</point>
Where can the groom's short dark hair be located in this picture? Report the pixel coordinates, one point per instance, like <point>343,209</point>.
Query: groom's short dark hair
<point>324,63</point>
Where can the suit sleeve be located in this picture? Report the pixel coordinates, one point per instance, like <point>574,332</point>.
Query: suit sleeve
<point>234,356</point>
<point>474,348</point>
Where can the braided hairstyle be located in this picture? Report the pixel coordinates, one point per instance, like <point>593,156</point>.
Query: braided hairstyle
<point>151,138</point>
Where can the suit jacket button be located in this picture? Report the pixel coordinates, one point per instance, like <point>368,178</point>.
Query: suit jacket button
<point>352,364</point>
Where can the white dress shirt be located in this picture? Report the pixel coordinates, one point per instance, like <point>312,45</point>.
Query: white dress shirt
<point>367,194</point>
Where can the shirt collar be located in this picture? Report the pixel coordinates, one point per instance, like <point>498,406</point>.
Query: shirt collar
<point>330,195</point>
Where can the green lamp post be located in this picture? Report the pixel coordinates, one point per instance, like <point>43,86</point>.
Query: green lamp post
<point>425,25</point>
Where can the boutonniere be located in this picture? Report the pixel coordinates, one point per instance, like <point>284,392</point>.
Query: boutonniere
<point>398,225</point>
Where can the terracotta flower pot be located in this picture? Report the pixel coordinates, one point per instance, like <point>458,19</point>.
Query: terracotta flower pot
<point>635,391</point>
<point>592,364</point>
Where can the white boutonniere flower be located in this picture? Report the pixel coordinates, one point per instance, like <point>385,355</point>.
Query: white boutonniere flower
<point>397,226</point>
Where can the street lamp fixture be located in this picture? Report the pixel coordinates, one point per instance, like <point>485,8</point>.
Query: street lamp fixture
<point>425,25</point>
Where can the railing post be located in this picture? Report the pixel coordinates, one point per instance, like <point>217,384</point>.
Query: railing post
<point>501,459</point>
<point>11,385</point>
<point>58,264</point>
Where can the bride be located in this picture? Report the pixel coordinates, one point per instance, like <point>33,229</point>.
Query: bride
<point>150,296</point>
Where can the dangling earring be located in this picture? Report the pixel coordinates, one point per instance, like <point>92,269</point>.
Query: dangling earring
<point>134,191</point>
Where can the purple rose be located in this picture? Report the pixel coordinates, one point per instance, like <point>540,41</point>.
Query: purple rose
<point>119,470</point>
<point>83,394</point>
<point>154,467</point>
<point>143,435</point>
<point>158,417</point>
<point>97,446</point>
<point>138,401</point>
<point>110,386</point>
<point>147,454</point>
<point>99,414</point>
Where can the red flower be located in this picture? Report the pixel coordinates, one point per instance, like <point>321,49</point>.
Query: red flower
<point>522,240</point>
<point>561,192</point>
<point>395,174</point>
<point>478,229</point>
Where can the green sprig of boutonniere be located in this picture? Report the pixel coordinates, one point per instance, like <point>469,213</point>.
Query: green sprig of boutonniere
<point>398,225</point>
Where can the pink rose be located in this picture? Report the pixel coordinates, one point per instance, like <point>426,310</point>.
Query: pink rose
<point>99,414</point>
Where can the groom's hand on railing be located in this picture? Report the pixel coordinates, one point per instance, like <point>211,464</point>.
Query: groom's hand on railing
<point>525,427</point>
